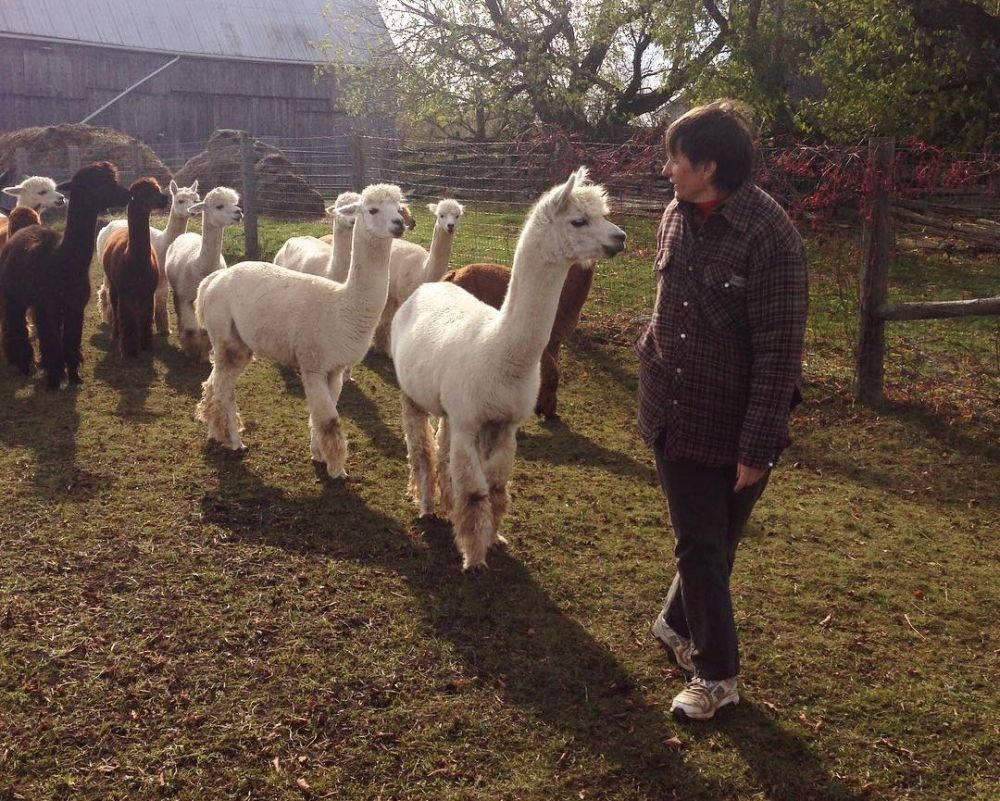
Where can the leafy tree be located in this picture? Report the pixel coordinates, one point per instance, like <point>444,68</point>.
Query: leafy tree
<point>486,67</point>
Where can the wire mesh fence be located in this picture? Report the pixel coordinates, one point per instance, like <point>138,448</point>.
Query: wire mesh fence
<point>941,200</point>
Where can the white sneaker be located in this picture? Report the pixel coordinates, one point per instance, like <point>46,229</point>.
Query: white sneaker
<point>702,698</point>
<point>679,648</point>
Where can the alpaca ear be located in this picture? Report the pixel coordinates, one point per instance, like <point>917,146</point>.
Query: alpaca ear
<point>196,207</point>
<point>173,187</point>
<point>561,199</point>
<point>347,211</point>
<point>194,186</point>
<point>65,186</point>
<point>432,208</point>
<point>13,190</point>
<point>331,211</point>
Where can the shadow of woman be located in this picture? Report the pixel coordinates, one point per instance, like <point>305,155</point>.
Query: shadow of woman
<point>47,424</point>
<point>502,624</point>
<point>781,761</point>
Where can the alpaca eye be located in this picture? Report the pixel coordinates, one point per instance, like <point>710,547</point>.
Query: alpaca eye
<point>373,211</point>
<point>43,191</point>
<point>221,207</point>
<point>578,223</point>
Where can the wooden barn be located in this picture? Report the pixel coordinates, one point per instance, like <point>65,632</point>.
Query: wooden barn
<point>199,66</point>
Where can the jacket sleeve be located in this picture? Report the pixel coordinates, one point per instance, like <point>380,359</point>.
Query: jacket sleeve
<point>777,301</point>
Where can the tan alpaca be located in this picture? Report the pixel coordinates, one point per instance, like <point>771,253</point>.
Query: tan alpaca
<point>488,282</point>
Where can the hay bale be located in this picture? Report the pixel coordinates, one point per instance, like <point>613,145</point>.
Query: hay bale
<point>46,148</point>
<point>281,189</point>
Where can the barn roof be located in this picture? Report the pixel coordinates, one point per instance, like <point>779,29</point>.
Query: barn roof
<point>257,30</point>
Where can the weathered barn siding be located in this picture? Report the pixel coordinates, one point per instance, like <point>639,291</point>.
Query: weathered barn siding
<point>48,83</point>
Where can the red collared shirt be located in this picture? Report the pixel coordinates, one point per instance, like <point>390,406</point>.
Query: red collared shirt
<point>722,354</point>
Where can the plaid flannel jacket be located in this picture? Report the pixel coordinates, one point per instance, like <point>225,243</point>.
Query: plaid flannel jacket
<point>721,358</point>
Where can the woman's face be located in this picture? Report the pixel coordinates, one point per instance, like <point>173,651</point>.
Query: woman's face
<point>692,183</point>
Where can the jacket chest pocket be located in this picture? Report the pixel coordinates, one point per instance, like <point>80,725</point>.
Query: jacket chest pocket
<point>723,295</point>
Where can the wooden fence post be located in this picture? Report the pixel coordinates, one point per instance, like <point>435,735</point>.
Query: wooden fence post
<point>252,246</point>
<point>870,355</point>
<point>358,163</point>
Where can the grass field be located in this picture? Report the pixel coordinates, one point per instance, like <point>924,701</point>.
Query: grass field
<point>179,623</point>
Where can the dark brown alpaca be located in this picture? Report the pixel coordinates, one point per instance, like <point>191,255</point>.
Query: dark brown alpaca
<point>49,273</point>
<point>21,217</point>
<point>488,282</point>
<point>131,270</point>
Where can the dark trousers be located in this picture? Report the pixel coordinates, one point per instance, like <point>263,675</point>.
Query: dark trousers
<point>708,520</point>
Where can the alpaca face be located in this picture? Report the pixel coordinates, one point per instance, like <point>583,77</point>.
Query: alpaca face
<point>147,195</point>
<point>447,213</point>
<point>183,198</point>
<point>379,211</point>
<point>344,222</point>
<point>96,187</point>
<point>220,207</point>
<point>37,193</point>
<point>573,216</point>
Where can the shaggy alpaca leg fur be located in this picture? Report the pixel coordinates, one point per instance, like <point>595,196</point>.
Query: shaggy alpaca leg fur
<point>472,516</point>
<point>420,453</point>
<point>327,442</point>
<point>498,448</point>
<point>217,407</point>
<point>545,404</point>
<point>444,465</point>
<point>104,302</point>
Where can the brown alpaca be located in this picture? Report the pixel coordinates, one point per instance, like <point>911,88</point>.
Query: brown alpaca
<point>21,217</point>
<point>488,282</point>
<point>131,269</point>
<point>49,273</point>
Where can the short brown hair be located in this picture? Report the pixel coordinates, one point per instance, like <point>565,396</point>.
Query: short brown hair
<point>719,132</point>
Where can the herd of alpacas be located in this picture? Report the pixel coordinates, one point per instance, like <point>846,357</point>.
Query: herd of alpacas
<point>476,348</point>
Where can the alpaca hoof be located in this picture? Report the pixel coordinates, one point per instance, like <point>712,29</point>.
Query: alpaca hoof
<point>499,541</point>
<point>478,567</point>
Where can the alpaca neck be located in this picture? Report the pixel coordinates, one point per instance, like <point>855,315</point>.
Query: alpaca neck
<point>211,246</point>
<point>340,254</point>
<point>437,260</point>
<point>138,228</point>
<point>176,225</point>
<point>529,309</point>
<point>367,285</point>
<point>79,235</point>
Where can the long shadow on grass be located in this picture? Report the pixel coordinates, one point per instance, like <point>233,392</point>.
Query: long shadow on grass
<point>132,378</point>
<point>182,375</point>
<point>511,634</point>
<point>47,423</point>
<point>560,444</point>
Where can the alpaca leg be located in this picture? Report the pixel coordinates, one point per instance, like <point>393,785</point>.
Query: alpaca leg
<point>72,336</point>
<point>160,315</point>
<point>113,305</point>
<point>471,514</point>
<point>381,341</point>
<point>545,405</point>
<point>217,407</point>
<point>16,345</point>
<point>498,463</point>
<point>104,303</point>
<point>420,454</point>
<point>50,345</point>
<point>146,324</point>
<point>444,465</point>
<point>326,438</point>
<point>128,327</point>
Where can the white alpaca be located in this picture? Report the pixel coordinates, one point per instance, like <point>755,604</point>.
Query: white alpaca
<point>38,193</point>
<point>192,257</point>
<point>299,319</point>
<point>477,368</point>
<point>410,265</point>
<point>183,199</point>
<point>308,254</point>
